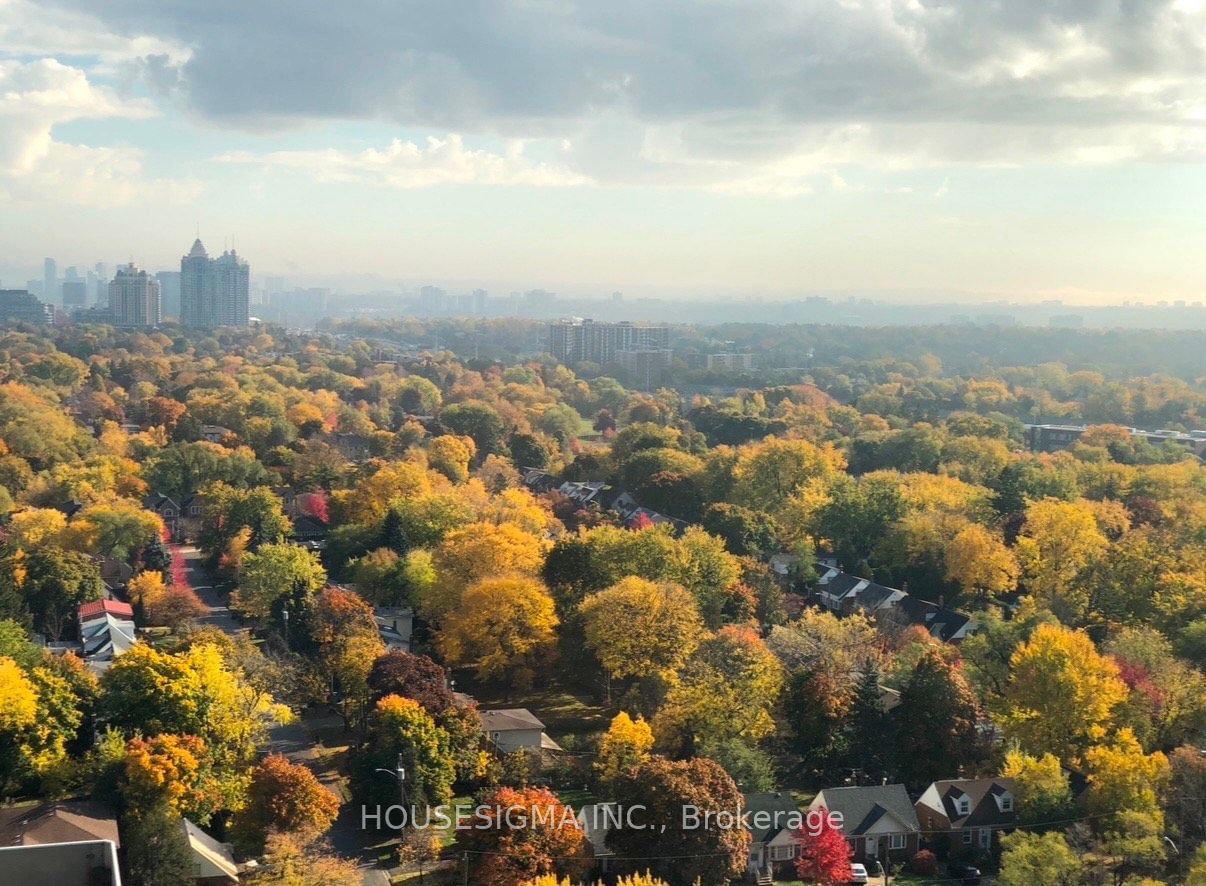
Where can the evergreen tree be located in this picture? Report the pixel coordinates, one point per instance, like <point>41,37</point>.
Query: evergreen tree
<point>157,851</point>
<point>869,730</point>
<point>155,557</point>
<point>393,533</point>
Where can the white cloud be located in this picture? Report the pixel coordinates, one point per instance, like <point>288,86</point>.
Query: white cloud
<point>405,164</point>
<point>37,96</point>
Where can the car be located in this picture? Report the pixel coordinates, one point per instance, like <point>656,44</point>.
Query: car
<point>858,874</point>
<point>967,874</point>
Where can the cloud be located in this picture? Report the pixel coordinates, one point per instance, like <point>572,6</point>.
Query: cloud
<point>407,165</point>
<point>755,96</point>
<point>37,96</point>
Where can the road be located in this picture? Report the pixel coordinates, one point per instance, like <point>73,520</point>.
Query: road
<point>202,582</point>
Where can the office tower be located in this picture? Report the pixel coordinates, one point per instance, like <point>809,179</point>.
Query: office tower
<point>33,287</point>
<point>214,292</point>
<point>134,298</point>
<point>102,283</point>
<point>169,292</point>
<point>75,294</point>
<point>18,306</point>
<point>50,280</point>
<point>72,273</point>
<point>432,299</point>
<point>479,302</point>
<point>574,341</point>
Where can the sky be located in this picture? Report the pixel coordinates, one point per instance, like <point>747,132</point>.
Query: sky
<point>971,148</point>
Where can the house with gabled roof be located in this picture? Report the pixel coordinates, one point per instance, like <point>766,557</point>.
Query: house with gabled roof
<point>878,821</point>
<point>213,862</point>
<point>106,630</point>
<point>974,811</point>
<point>772,818</point>
<point>516,729</point>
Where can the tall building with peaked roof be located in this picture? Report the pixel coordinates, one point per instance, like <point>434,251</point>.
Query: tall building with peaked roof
<point>214,292</point>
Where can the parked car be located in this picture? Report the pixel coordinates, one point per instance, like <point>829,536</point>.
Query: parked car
<point>965,873</point>
<point>858,873</point>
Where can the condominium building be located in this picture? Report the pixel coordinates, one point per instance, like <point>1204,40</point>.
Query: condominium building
<point>576,341</point>
<point>214,292</point>
<point>20,306</point>
<point>134,298</point>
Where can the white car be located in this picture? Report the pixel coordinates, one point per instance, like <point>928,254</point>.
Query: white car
<point>858,873</point>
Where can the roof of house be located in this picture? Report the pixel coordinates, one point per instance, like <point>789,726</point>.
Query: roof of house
<point>949,791</point>
<point>107,636</point>
<point>71,821</point>
<point>509,718</point>
<point>942,622</point>
<point>596,820</point>
<point>157,500</point>
<point>862,807</point>
<point>217,854</point>
<point>770,813</point>
<point>98,608</point>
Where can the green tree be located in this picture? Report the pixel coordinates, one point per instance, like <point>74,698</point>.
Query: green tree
<point>479,421</point>
<point>936,719</point>
<point>277,575</point>
<point>400,731</point>
<point>1038,860</point>
<point>157,850</point>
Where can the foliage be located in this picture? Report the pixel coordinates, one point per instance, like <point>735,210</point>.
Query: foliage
<point>1037,860</point>
<point>284,797</point>
<point>823,855</point>
<point>277,575</point>
<point>626,745</point>
<point>551,843</point>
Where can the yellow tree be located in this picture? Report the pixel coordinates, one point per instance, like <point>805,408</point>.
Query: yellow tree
<point>1057,541</point>
<point>980,563</point>
<point>176,770</point>
<point>638,627</point>
<point>18,715</point>
<point>474,552</point>
<point>33,527</point>
<point>767,474</point>
<point>146,588</point>
<point>1061,693</point>
<point>1124,779</point>
<point>626,745</point>
<point>450,455</point>
<point>504,627</point>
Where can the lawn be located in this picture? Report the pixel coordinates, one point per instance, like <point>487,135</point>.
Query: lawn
<point>564,710</point>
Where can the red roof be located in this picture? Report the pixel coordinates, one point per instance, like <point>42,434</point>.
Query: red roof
<point>99,607</point>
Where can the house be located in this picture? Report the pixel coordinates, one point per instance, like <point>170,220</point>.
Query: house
<point>309,529</point>
<point>116,574</point>
<point>537,480</point>
<point>941,622</point>
<point>215,433</point>
<point>395,624</point>
<point>168,510</point>
<point>516,729</point>
<point>772,820</point>
<point>71,821</point>
<point>974,811</point>
<point>213,862</point>
<point>585,493</point>
<point>845,594</point>
<point>75,863</point>
<point>879,821</point>
<point>596,821</point>
<point>192,514</point>
<point>106,631</point>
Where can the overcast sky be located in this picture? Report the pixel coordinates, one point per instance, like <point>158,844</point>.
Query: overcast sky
<point>1000,147</point>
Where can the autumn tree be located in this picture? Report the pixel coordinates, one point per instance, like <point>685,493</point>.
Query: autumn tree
<point>551,842</point>
<point>1041,785</point>
<point>51,584</point>
<point>1058,540</point>
<point>505,628</point>
<point>344,630</point>
<point>177,770</point>
<point>980,563</point>
<point>1122,778</point>
<point>278,575</point>
<point>411,675</point>
<point>1038,860</point>
<point>399,730</point>
<point>476,552</point>
<point>18,716</point>
<point>768,473</point>
<point>288,861</point>
<point>824,854</point>
<point>638,627</point>
<point>727,689</point>
<point>681,852</point>
<point>450,455</point>
<point>626,745</point>
<point>230,511</point>
<point>936,721</point>
<point>1061,693</point>
<point>284,797</point>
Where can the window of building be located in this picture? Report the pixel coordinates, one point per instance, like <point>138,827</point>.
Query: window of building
<point>1007,803</point>
<point>964,806</point>
<point>899,841</point>
<point>967,837</point>
<point>985,838</point>
<point>782,853</point>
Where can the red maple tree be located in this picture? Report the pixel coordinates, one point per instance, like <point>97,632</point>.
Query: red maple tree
<point>824,855</point>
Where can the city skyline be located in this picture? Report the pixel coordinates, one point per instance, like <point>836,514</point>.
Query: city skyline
<point>781,149</point>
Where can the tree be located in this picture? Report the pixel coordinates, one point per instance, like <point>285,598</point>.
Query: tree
<point>230,511</point>
<point>450,455</point>
<point>52,584</point>
<point>157,850</point>
<point>870,732</point>
<point>289,862</point>
<point>1058,540</point>
<point>1038,860</point>
<point>420,847</point>
<point>936,721</point>
<point>626,745</point>
<point>1061,693</point>
<point>344,630</point>
<point>177,771</point>
<point>181,469</point>
<point>727,689</point>
<point>194,692</point>
<point>823,855</point>
<point>18,715</point>
<point>1185,799</point>
<point>505,628</point>
<point>857,515</point>
<point>117,528</point>
<point>679,850</point>
<point>1124,779</point>
<point>548,841</point>
<point>1043,792</point>
<point>424,520</point>
<point>639,628</point>
<point>284,797</point>
<point>411,676</point>
<point>33,527</point>
<point>177,607</point>
<point>476,552</point>
<point>980,563</point>
<point>817,707</point>
<point>770,472</point>
<point>476,420</point>
<point>819,640</point>
<point>399,730</point>
<point>276,575</point>
<point>745,531</point>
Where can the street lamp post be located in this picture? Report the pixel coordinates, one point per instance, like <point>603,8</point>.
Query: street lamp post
<point>285,618</point>
<point>399,772</point>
